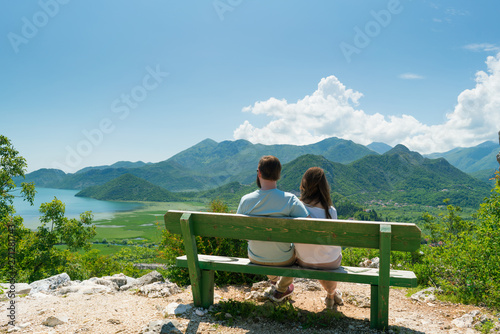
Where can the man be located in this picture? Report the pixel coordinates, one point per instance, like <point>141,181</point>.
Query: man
<point>269,201</point>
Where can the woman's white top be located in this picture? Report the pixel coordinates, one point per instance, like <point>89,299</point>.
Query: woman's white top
<point>316,254</point>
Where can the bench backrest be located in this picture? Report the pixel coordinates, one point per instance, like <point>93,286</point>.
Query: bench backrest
<point>347,233</point>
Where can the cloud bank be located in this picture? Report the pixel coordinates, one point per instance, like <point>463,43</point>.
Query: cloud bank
<point>332,111</point>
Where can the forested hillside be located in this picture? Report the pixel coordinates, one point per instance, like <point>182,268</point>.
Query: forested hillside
<point>128,187</point>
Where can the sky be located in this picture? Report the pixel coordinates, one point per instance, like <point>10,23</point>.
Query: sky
<point>89,83</point>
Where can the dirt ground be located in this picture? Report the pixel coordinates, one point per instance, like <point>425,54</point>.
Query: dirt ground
<point>127,312</point>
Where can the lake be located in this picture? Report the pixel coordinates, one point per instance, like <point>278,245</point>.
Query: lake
<point>74,205</point>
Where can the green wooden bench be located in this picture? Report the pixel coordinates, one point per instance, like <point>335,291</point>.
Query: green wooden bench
<point>347,233</point>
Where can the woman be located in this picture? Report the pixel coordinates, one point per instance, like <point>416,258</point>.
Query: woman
<point>315,194</point>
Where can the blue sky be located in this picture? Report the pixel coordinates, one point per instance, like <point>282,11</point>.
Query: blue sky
<point>87,83</point>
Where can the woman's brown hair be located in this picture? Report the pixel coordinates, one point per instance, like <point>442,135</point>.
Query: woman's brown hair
<point>314,189</point>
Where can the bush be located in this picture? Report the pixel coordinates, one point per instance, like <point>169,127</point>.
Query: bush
<point>462,256</point>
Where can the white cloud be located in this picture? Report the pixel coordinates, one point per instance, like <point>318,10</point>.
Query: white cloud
<point>482,47</point>
<point>410,76</point>
<point>332,111</point>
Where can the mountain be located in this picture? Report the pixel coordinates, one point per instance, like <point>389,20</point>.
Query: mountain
<point>236,160</point>
<point>119,164</point>
<point>479,160</point>
<point>378,147</point>
<point>128,187</point>
<point>398,175</point>
<point>209,164</point>
<point>43,178</point>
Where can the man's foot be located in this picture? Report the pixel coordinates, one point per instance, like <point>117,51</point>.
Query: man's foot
<point>280,296</point>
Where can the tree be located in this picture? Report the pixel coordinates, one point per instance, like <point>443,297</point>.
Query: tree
<point>11,227</point>
<point>33,254</point>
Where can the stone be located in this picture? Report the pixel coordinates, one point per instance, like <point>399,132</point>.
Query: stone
<point>464,321</point>
<point>106,282</point>
<point>50,284</point>
<point>201,312</point>
<point>373,263</point>
<point>53,321</point>
<point>159,289</point>
<point>85,288</point>
<point>149,278</point>
<point>163,327</point>
<point>118,279</point>
<point>425,295</point>
<point>20,288</point>
<point>176,309</point>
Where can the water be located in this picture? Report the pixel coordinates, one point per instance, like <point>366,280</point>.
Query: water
<point>74,205</point>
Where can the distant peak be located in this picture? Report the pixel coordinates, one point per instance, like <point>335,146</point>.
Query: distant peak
<point>398,149</point>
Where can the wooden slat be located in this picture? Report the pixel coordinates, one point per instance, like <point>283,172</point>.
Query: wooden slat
<point>348,233</point>
<point>400,278</point>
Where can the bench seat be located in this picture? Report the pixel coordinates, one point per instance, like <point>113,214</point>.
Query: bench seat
<point>401,278</point>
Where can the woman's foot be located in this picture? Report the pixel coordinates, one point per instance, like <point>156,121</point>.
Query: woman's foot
<point>334,298</point>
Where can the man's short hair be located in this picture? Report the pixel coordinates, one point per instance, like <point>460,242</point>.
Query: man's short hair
<point>270,168</point>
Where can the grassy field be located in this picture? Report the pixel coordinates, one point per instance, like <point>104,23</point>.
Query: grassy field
<point>138,226</point>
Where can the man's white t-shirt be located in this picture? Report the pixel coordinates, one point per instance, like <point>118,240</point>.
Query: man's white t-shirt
<point>316,254</point>
<point>273,203</point>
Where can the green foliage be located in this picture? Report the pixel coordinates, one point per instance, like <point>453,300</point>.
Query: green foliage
<point>462,256</point>
<point>219,206</point>
<point>128,187</point>
<point>36,255</point>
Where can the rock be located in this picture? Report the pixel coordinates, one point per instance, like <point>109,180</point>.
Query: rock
<point>149,266</point>
<point>361,301</point>
<point>118,279</point>
<point>426,295</point>
<point>464,321</point>
<point>162,327</point>
<point>50,284</point>
<point>149,278</point>
<point>176,309</point>
<point>13,329</point>
<point>86,288</point>
<point>20,288</point>
<point>55,321</point>
<point>159,289</point>
<point>469,320</point>
<point>201,312</point>
<point>106,282</point>
<point>373,263</point>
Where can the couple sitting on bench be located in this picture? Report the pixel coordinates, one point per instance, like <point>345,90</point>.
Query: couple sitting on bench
<point>314,202</point>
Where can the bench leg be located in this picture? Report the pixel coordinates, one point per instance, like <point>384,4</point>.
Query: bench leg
<point>374,307</point>
<point>379,307</point>
<point>207,288</point>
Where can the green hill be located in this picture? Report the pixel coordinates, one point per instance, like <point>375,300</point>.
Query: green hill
<point>399,175</point>
<point>43,178</point>
<point>128,187</point>
<point>479,161</point>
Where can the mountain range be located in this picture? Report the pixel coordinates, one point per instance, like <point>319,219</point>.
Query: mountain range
<point>354,171</point>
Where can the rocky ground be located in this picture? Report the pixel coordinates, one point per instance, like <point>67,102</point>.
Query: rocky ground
<point>121,304</point>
